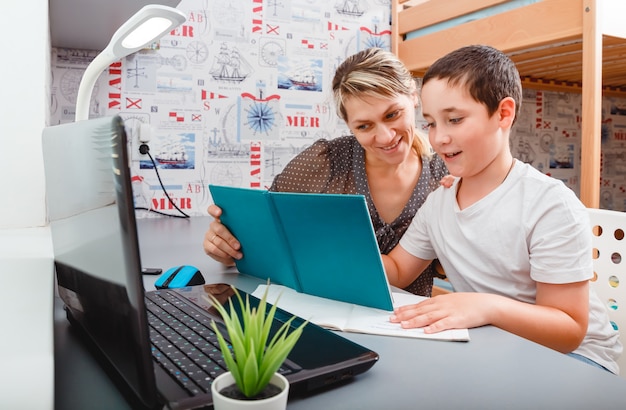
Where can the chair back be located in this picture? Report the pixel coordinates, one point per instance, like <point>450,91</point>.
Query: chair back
<point>609,265</point>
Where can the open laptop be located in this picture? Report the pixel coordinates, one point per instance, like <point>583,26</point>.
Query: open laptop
<point>98,269</point>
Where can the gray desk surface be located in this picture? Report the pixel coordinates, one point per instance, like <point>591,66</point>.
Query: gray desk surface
<point>494,370</point>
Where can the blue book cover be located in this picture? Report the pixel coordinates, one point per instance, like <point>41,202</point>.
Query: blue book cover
<point>319,244</point>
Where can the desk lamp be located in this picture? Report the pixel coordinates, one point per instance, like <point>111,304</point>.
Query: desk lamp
<point>146,26</point>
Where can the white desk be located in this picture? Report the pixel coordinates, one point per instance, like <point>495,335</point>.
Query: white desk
<point>494,370</point>
<point>26,347</point>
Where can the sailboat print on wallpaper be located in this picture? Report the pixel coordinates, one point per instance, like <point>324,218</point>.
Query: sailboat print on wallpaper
<point>229,66</point>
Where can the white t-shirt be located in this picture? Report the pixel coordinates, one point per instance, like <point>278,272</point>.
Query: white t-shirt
<point>532,228</point>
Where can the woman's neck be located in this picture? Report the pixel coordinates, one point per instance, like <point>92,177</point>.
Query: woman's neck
<point>391,186</point>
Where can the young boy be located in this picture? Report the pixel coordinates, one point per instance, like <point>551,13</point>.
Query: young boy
<point>514,243</point>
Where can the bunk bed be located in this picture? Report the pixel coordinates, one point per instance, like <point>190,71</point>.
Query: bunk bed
<point>559,45</point>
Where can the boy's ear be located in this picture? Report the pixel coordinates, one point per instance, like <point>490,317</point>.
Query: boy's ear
<point>506,111</point>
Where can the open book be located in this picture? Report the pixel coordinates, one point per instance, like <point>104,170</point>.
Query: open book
<point>319,244</point>
<point>349,317</point>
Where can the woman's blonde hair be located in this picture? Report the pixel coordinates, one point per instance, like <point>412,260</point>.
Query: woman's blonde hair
<point>374,72</point>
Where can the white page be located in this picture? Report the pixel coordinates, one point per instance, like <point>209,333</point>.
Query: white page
<point>331,313</point>
<point>349,317</point>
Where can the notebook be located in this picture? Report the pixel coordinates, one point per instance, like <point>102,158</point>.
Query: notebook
<point>98,270</point>
<point>319,244</point>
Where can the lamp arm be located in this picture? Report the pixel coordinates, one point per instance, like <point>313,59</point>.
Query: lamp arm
<point>147,25</point>
<point>87,83</point>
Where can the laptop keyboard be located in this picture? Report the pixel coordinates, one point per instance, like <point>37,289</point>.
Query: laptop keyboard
<point>183,342</point>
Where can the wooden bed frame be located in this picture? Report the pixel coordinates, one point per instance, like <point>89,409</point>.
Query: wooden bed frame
<point>560,45</point>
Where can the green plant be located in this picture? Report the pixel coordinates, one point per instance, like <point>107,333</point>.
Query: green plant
<point>253,361</point>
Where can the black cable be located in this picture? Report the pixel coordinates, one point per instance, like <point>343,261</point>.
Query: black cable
<point>142,208</point>
<point>145,150</point>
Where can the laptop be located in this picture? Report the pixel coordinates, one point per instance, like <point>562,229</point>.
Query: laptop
<point>98,271</point>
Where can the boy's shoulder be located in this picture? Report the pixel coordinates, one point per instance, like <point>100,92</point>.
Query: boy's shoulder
<point>524,181</point>
<point>538,187</point>
<point>532,174</point>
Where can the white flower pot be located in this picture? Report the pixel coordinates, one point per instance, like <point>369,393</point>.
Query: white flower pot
<point>221,402</point>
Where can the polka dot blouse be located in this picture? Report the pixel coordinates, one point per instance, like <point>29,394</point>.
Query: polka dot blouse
<point>337,166</point>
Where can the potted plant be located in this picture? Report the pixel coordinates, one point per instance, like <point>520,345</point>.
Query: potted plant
<point>254,359</point>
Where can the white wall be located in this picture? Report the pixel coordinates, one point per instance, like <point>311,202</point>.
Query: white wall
<point>26,347</point>
<point>25,71</point>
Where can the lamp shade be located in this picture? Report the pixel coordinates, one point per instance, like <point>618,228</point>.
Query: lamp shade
<point>146,26</point>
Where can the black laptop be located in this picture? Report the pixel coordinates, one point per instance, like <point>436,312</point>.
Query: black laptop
<point>98,269</point>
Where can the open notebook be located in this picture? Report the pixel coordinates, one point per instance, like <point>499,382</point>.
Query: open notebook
<point>319,244</point>
<point>348,317</point>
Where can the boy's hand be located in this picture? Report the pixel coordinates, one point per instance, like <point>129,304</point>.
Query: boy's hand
<point>456,310</point>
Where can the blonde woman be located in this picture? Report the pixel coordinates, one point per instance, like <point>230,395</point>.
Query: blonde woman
<point>384,159</point>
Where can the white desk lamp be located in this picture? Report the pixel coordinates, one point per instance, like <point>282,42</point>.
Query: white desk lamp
<point>146,26</point>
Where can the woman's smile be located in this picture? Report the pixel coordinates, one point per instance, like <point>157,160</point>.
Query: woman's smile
<point>393,145</point>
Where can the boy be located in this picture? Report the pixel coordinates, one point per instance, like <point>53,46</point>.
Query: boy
<point>514,243</point>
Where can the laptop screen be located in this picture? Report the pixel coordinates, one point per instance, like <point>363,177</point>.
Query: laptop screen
<point>95,244</point>
<point>98,270</point>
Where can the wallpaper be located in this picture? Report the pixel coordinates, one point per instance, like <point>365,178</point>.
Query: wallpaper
<point>231,95</point>
<point>243,86</point>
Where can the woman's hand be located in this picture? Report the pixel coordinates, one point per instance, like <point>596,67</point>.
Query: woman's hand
<point>219,243</point>
<point>447,181</point>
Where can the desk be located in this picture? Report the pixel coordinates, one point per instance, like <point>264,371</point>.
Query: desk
<point>494,370</point>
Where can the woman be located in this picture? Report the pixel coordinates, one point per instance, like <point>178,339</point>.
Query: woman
<point>384,159</point>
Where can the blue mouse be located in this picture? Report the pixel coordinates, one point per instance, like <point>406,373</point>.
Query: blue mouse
<point>179,277</point>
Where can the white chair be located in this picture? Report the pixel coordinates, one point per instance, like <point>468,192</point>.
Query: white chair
<point>609,265</point>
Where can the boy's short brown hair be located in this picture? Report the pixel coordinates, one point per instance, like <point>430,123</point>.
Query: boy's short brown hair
<point>489,75</point>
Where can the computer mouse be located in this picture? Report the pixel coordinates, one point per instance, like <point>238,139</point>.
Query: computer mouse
<point>179,277</point>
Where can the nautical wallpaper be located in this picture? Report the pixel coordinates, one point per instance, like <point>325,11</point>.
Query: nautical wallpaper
<point>547,135</point>
<point>243,86</point>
